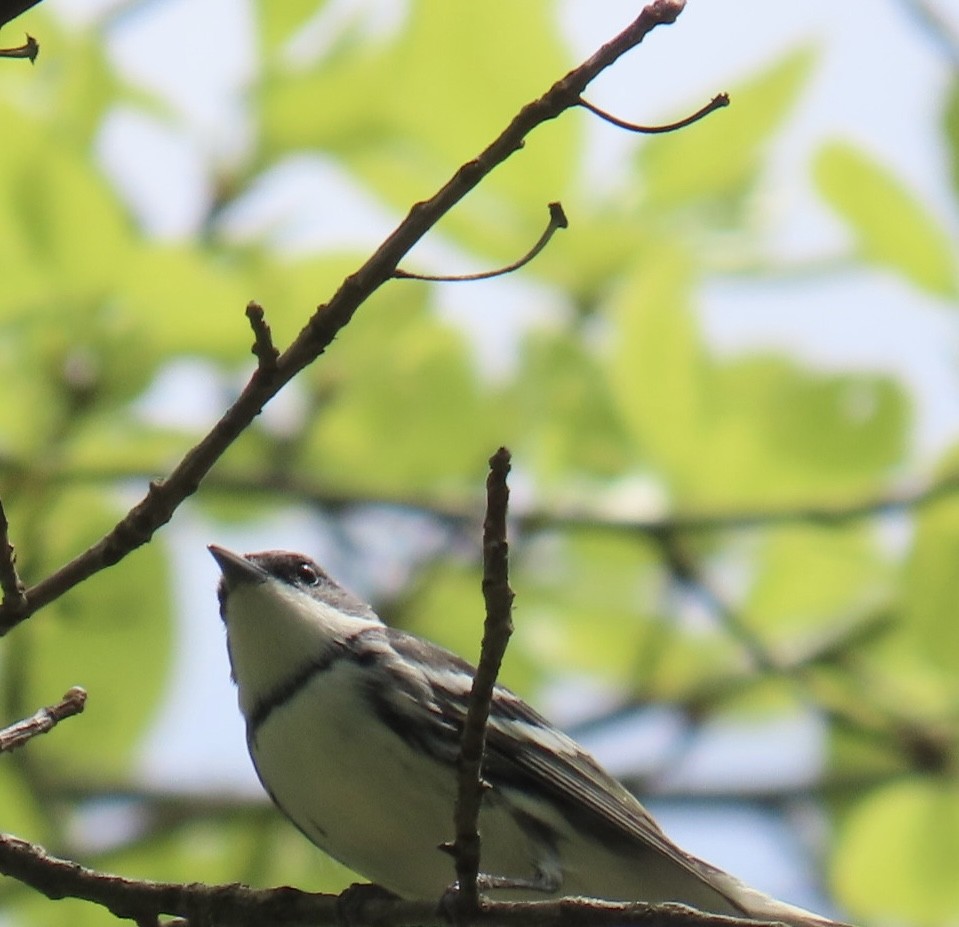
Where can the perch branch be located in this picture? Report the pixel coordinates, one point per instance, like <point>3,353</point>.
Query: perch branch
<point>496,633</point>
<point>241,906</point>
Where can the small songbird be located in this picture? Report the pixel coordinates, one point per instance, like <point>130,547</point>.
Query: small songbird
<point>354,730</point>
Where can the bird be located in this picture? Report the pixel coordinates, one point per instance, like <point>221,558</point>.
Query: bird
<point>354,727</point>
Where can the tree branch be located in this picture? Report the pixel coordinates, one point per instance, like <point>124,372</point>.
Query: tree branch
<point>496,633</point>
<point>164,496</point>
<point>46,719</point>
<point>241,906</point>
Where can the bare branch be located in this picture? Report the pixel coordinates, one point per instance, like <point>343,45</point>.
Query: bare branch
<point>246,907</point>
<point>496,633</point>
<point>717,102</point>
<point>164,496</point>
<point>557,220</point>
<point>16,735</point>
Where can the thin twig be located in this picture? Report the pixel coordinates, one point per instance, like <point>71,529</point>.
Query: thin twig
<point>557,220</point>
<point>30,49</point>
<point>11,585</point>
<point>717,102</point>
<point>164,496</point>
<point>46,719</point>
<point>497,629</point>
<point>263,347</point>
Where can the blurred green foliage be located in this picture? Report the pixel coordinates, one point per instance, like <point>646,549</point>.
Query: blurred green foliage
<point>616,402</point>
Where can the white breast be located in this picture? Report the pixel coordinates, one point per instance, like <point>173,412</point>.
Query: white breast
<point>359,791</point>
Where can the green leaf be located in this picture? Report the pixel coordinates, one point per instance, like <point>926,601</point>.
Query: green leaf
<point>777,434</point>
<point>585,604</point>
<point>658,371</point>
<point>893,229</point>
<point>187,301</point>
<point>401,413</point>
<point>566,420</point>
<point>931,588</point>
<point>895,861</point>
<point>113,635</point>
<point>714,162</point>
<point>405,113</point>
<point>842,574</point>
<point>279,22</point>
<point>44,187</point>
<point>70,88</point>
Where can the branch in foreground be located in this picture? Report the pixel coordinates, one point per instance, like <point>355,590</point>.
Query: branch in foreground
<point>717,102</point>
<point>496,633</point>
<point>11,9</point>
<point>16,735</point>
<point>557,220</point>
<point>285,907</point>
<point>163,497</point>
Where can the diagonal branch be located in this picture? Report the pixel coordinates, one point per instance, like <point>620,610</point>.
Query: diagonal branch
<point>164,496</point>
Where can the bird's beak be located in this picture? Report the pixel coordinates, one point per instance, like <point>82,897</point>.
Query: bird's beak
<point>236,569</point>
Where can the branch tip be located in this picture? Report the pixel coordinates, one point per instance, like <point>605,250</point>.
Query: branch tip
<point>30,49</point>
<point>44,720</point>
<point>263,347</point>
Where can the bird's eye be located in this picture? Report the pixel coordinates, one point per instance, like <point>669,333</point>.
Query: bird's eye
<point>306,574</point>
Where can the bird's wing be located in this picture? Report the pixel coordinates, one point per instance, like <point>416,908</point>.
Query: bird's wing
<point>525,753</point>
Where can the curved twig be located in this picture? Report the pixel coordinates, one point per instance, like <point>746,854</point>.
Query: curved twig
<point>557,220</point>
<point>717,102</point>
